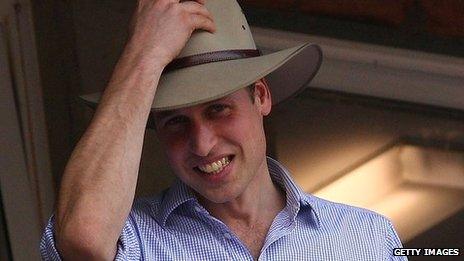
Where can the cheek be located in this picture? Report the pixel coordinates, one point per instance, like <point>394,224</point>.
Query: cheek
<point>256,137</point>
<point>174,148</point>
<point>248,132</point>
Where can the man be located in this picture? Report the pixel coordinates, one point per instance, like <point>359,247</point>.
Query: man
<point>230,201</point>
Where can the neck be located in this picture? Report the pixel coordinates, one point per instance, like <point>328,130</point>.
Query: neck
<point>261,201</point>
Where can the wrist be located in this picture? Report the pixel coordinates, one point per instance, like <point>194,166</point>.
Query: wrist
<point>136,69</point>
<point>150,57</point>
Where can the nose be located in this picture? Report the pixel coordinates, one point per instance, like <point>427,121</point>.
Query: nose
<point>202,139</point>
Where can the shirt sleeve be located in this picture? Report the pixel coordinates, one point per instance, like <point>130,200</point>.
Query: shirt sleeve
<point>48,249</point>
<point>128,246</point>
<point>129,243</point>
<point>393,241</point>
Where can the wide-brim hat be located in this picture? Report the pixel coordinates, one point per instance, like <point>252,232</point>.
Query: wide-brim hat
<point>213,65</point>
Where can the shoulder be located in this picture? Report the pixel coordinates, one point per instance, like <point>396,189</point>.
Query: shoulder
<point>338,215</point>
<point>365,233</point>
<point>335,207</point>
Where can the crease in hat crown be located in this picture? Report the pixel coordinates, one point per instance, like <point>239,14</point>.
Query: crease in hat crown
<point>232,31</point>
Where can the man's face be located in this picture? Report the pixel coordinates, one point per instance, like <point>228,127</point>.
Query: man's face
<point>218,148</point>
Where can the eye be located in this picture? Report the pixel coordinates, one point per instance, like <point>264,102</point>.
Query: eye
<point>218,109</point>
<point>176,121</point>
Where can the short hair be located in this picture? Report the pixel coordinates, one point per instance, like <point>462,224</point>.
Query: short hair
<point>151,124</point>
<point>251,91</point>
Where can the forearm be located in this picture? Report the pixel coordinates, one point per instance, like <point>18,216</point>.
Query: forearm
<point>99,181</point>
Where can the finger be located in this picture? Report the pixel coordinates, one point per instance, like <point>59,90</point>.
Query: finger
<point>196,8</point>
<point>202,22</point>
<point>199,1</point>
<point>144,3</point>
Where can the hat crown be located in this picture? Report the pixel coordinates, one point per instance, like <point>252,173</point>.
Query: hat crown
<point>232,31</point>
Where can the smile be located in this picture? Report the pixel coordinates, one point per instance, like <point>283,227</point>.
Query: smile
<point>215,167</point>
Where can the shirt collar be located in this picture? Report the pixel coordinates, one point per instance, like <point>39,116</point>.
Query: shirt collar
<point>179,193</point>
<point>176,195</point>
<point>296,197</point>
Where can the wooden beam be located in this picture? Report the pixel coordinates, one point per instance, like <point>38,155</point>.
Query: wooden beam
<point>444,17</point>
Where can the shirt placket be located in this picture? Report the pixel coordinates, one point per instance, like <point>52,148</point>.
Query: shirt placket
<point>235,248</point>
<point>280,227</point>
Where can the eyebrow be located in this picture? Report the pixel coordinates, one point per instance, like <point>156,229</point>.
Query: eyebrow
<point>160,115</point>
<point>163,114</point>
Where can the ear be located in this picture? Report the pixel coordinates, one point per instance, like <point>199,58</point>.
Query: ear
<point>262,96</point>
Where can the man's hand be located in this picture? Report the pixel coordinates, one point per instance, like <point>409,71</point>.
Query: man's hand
<point>161,28</point>
<point>98,184</point>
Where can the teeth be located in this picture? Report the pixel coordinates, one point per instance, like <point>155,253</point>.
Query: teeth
<point>215,167</point>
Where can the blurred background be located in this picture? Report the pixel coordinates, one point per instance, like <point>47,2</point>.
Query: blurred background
<point>380,127</point>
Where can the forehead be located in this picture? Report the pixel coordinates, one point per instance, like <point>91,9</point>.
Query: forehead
<point>235,97</point>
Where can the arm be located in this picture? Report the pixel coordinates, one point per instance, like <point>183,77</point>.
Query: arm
<point>99,181</point>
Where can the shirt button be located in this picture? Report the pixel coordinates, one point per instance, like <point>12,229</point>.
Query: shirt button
<point>197,209</point>
<point>227,235</point>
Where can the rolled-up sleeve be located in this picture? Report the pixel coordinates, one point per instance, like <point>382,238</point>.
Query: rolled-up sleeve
<point>48,249</point>
<point>128,246</point>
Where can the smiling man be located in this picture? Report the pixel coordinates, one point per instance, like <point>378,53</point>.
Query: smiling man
<point>193,66</point>
<point>218,148</point>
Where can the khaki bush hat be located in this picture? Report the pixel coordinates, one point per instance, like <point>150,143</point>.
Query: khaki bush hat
<point>212,66</point>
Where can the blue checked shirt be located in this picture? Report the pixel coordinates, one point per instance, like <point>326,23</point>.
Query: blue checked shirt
<point>174,226</point>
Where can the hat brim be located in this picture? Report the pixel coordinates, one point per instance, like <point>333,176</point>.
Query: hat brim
<point>287,72</point>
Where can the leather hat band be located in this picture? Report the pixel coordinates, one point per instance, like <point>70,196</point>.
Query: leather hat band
<point>210,57</point>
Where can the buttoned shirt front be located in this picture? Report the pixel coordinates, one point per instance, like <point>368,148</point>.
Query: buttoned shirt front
<point>174,226</point>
